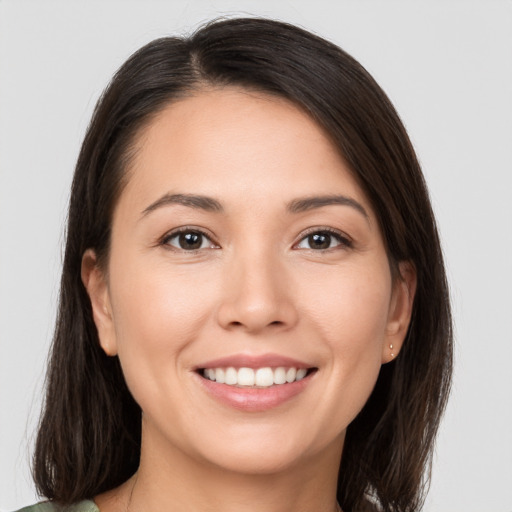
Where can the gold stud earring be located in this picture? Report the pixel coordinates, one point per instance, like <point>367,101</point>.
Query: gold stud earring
<point>391,348</point>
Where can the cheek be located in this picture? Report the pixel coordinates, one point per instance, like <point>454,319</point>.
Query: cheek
<point>149,308</point>
<point>349,312</point>
<point>351,305</point>
<point>157,313</point>
<point>356,341</point>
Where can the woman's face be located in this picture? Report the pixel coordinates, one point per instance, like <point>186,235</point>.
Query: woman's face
<point>243,256</point>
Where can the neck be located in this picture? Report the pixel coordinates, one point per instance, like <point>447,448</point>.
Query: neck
<point>176,481</point>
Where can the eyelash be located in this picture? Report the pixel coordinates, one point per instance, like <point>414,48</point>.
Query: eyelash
<point>186,230</point>
<point>343,240</point>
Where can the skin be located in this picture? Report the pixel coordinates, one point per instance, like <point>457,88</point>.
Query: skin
<point>255,286</point>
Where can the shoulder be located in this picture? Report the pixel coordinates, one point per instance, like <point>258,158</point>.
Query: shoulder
<point>48,506</point>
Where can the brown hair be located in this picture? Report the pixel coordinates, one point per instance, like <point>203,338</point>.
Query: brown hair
<point>89,434</point>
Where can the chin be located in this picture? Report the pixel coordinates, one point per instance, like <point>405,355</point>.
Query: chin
<point>266,452</point>
<point>257,461</point>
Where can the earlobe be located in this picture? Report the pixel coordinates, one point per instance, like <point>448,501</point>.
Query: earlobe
<point>95,283</point>
<point>400,311</point>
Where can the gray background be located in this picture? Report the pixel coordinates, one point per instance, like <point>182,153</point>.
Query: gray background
<point>447,66</point>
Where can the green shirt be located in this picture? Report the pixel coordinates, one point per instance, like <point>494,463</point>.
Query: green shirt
<point>47,506</point>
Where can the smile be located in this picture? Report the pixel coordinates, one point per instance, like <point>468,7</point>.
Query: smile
<point>255,377</point>
<point>255,383</point>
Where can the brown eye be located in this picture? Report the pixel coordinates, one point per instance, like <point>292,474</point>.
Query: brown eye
<point>319,241</point>
<point>189,241</point>
<point>323,240</point>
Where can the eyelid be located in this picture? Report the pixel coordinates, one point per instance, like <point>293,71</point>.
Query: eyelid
<point>344,239</point>
<point>163,241</point>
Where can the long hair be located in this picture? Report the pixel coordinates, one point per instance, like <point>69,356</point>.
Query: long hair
<point>89,434</point>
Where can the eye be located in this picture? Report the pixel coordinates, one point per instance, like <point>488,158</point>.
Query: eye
<point>188,240</point>
<point>322,240</point>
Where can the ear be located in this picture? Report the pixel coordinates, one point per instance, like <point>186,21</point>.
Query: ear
<point>95,284</point>
<point>400,310</point>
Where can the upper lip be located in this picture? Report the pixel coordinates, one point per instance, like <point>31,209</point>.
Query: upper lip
<point>254,361</point>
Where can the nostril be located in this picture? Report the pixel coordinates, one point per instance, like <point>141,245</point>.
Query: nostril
<point>275,323</point>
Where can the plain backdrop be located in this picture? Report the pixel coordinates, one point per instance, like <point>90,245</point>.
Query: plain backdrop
<point>447,66</point>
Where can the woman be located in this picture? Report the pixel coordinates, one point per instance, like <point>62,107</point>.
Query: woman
<point>254,312</point>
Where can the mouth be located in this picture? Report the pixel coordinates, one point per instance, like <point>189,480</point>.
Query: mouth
<point>256,378</point>
<point>255,383</point>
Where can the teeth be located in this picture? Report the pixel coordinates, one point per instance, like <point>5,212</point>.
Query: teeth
<point>301,373</point>
<point>231,376</point>
<point>245,377</point>
<point>291,373</point>
<point>280,375</point>
<point>220,375</point>
<point>262,377</point>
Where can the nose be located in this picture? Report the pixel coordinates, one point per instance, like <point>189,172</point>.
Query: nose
<point>257,296</point>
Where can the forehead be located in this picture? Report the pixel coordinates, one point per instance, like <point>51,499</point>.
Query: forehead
<point>232,143</point>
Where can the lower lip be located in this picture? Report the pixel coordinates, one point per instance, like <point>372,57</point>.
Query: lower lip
<point>254,399</point>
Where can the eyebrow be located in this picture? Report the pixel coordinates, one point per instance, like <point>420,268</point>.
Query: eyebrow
<point>192,201</point>
<point>310,203</point>
<point>296,206</point>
